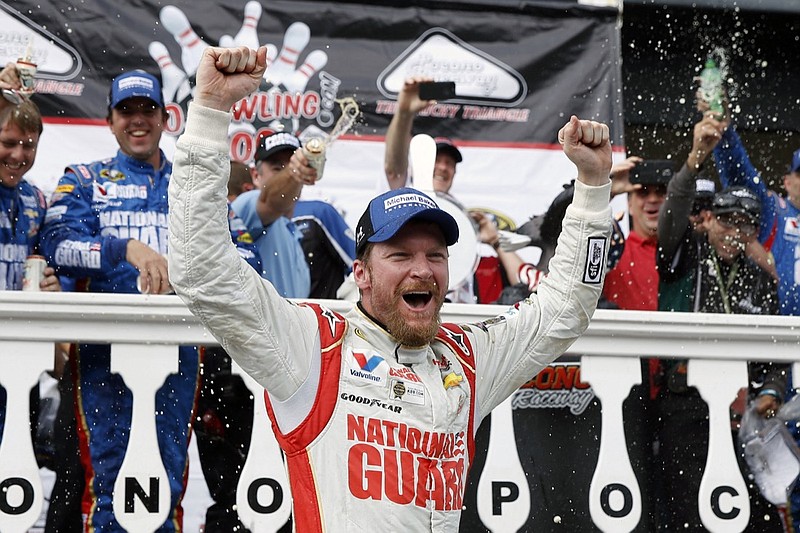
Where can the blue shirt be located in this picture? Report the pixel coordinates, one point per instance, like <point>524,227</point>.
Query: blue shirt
<point>98,207</point>
<point>22,211</point>
<point>281,255</point>
<point>780,220</point>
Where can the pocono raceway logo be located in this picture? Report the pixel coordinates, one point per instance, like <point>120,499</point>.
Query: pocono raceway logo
<point>557,386</point>
<point>486,88</point>
<point>56,61</point>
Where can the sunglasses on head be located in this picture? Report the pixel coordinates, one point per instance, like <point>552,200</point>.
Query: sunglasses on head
<point>727,201</point>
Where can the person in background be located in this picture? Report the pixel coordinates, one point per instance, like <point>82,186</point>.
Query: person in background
<point>22,205</point>
<point>241,180</point>
<point>106,227</point>
<point>22,212</point>
<point>633,282</point>
<point>279,173</point>
<point>779,233</point>
<point>704,194</point>
<point>316,365</point>
<point>497,268</point>
<point>707,272</point>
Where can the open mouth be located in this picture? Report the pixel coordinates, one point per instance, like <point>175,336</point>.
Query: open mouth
<point>418,299</point>
<point>137,133</point>
<point>13,166</point>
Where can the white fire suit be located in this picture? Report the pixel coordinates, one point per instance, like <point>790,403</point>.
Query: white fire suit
<point>377,437</point>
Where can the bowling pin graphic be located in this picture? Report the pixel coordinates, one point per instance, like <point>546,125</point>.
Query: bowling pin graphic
<point>723,501</point>
<point>192,46</point>
<point>503,477</point>
<point>226,41</point>
<point>272,52</point>
<point>615,500</point>
<point>248,36</point>
<point>173,80</point>
<point>294,42</point>
<point>263,479</point>
<point>296,83</point>
<point>21,491</point>
<point>144,369</point>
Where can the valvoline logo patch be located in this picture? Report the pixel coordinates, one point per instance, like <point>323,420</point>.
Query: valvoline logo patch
<point>367,364</point>
<point>367,367</point>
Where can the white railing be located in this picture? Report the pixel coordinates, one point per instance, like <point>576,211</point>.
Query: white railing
<point>144,332</point>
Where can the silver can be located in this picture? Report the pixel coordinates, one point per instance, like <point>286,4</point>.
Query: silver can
<point>314,150</point>
<point>33,273</point>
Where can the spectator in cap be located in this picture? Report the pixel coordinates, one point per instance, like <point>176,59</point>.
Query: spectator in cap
<point>398,139</point>
<point>704,195</point>
<point>707,272</point>
<point>497,268</point>
<point>267,210</point>
<point>106,228</point>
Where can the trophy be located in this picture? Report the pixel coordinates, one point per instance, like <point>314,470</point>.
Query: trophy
<point>315,147</point>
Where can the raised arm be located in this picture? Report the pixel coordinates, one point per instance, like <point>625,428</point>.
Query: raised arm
<point>735,168</point>
<point>398,135</point>
<point>673,218</point>
<point>586,143</point>
<point>280,194</point>
<point>269,337</point>
<point>520,343</point>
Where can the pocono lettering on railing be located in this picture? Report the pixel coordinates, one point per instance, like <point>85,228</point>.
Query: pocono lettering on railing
<point>144,332</point>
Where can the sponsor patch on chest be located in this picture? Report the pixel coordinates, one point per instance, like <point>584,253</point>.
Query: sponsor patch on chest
<point>367,365</point>
<point>407,391</point>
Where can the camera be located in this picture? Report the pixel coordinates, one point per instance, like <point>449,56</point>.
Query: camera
<point>437,90</point>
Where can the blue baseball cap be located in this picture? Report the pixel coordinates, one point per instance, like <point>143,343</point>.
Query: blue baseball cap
<point>132,84</point>
<point>795,162</point>
<point>390,211</point>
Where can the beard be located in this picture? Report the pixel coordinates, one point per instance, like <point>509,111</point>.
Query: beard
<point>407,332</point>
<point>411,335</point>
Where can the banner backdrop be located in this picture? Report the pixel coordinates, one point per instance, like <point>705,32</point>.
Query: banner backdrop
<point>519,73</point>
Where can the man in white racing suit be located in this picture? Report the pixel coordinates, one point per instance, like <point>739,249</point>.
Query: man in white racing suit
<point>375,409</point>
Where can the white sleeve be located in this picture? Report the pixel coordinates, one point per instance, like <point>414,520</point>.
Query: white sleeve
<point>512,348</point>
<point>271,338</point>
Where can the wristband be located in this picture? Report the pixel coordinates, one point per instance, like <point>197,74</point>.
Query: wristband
<point>769,392</point>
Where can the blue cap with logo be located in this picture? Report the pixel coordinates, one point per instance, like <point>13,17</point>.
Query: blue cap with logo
<point>390,211</point>
<point>135,83</point>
